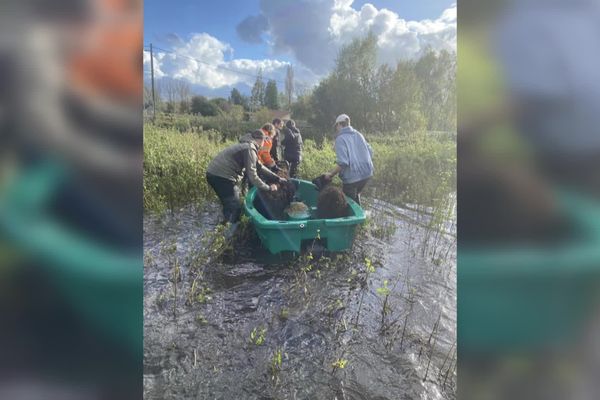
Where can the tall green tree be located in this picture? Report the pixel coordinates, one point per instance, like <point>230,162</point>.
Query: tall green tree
<point>257,98</point>
<point>436,72</point>
<point>236,97</point>
<point>350,88</point>
<point>405,99</point>
<point>301,108</point>
<point>408,97</point>
<point>289,85</point>
<point>201,105</point>
<point>272,95</point>
<point>385,114</point>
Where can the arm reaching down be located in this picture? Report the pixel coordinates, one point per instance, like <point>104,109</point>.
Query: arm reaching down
<point>251,163</point>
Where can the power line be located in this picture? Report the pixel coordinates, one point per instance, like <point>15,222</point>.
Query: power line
<point>226,68</point>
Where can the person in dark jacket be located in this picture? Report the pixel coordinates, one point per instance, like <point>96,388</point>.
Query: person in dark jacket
<point>276,148</point>
<point>292,143</point>
<point>226,170</point>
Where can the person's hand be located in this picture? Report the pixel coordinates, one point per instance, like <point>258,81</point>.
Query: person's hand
<point>273,187</point>
<point>327,176</point>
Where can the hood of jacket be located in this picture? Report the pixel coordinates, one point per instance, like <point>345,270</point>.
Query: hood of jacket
<point>347,130</point>
<point>247,138</point>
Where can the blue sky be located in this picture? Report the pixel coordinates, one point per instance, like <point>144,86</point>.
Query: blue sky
<point>245,35</point>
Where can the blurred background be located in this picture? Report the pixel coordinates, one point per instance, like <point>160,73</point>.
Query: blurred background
<point>71,199</point>
<point>528,199</point>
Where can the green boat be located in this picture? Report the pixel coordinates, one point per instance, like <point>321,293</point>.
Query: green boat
<point>102,284</point>
<point>336,234</point>
<point>530,298</point>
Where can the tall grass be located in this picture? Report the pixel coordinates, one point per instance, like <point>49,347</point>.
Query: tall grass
<point>417,168</point>
<point>175,167</point>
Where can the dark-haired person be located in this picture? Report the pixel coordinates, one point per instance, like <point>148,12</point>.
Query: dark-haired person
<point>276,147</point>
<point>354,158</point>
<point>227,168</point>
<point>292,143</point>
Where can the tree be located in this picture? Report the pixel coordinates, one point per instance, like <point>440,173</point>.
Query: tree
<point>221,103</point>
<point>350,88</point>
<point>236,97</point>
<point>405,99</point>
<point>356,69</point>
<point>176,93</point>
<point>272,95</point>
<point>282,98</point>
<point>289,85</point>
<point>301,109</point>
<point>385,115</point>
<point>183,93</point>
<point>167,90</point>
<point>257,99</point>
<point>200,105</point>
<point>170,107</point>
<point>409,97</point>
<point>436,72</point>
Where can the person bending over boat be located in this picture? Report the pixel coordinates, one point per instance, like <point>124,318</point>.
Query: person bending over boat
<point>227,168</point>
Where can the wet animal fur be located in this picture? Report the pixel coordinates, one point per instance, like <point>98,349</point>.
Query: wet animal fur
<point>272,204</point>
<point>332,203</point>
<point>284,169</point>
<point>321,182</point>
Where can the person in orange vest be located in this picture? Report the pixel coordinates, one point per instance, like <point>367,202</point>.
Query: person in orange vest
<point>264,154</point>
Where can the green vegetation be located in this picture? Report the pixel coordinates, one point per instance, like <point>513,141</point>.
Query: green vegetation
<point>257,336</point>
<point>175,167</point>
<point>411,95</point>
<point>276,361</point>
<point>340,363</point>
<point>417,168</point>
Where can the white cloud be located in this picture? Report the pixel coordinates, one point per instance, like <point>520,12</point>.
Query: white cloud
<point>314,30</point>
<point>157,71</point>
<point>202,61</point>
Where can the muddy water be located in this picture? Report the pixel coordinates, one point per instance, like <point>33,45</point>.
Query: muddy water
<point>313,313</point>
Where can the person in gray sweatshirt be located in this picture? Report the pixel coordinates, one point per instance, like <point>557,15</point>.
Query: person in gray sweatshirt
<point>354,158</point>
<point>227,168</point>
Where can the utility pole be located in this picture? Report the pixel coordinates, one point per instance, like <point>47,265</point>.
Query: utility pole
<point>152,77</point>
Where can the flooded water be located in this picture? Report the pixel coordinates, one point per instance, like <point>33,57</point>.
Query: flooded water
<point>376,323</point>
